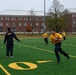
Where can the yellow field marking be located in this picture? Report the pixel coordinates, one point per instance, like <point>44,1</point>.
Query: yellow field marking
<point>1,47</point>
<point>69,45</point>
<point>42,45</point>
<point>72,56</point>
<point>4,70</point>
<point>19,46</point>
<point>15,65</point>
<point>44,61</point>
<point>41,49</point>
<point>35,45</point>
<point>35,48</point>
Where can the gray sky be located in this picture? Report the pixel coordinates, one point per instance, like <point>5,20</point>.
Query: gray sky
<point>37,5</point>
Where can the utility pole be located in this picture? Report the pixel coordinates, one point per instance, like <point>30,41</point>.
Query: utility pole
<point>44,16</point>
<point>32,12</point>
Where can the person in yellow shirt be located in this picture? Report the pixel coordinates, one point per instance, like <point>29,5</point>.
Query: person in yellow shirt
<point>45,36</point>
<point>56,39</point>
<point>64,35</point>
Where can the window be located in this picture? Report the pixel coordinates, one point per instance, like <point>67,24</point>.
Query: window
<point>42,30</point>
<point>1,18</point>
<point>20,24</point>
<point>13,24</point>
<point>74,22</point>
<point>7,24</point>
<point>30,19</point>
<point>7,18</point>
<point>30,24</point>
<point>25,24</point>
<point>25,18</point>
<point>1,29</point>
<point>1,24</point>
<point>14,29</point>
<point>37,24</point>
<point>19,18</point>
<point>42,24</point>
<point>13,18</point>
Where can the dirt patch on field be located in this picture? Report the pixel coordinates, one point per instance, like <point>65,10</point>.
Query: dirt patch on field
<point>29,36</point>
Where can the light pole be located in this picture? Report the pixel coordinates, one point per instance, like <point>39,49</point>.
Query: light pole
<point>32,12</point>
<point>44,16</point>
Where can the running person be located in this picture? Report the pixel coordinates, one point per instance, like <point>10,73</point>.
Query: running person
<point>56,39</point>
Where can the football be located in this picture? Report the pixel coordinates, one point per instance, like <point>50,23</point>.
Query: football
<point>56,39</point>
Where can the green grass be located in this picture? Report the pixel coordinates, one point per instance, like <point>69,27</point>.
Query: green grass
<point>33,50</point>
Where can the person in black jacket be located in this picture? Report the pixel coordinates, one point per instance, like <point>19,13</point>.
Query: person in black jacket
<point>8,39</point>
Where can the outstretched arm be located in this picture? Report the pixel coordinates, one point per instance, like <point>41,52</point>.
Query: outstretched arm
<point>16,37</point>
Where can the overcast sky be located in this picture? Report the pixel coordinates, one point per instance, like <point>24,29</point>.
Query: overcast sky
<point>37,5</point>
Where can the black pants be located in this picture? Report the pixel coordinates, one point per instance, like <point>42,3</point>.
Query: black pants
<point>46,40</point>
<point>9,50</point>
<point>59,49</point>
<point>64,38</point>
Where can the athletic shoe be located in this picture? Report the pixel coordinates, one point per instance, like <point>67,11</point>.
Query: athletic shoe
<point>11,56</point>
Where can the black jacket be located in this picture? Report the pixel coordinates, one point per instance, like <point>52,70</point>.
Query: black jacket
<point>9,38</point>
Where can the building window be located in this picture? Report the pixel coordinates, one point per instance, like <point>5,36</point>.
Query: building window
<point>42,24</point>
<point>30,24</point>
<point>25,18</point>
<point>1,29</point>
<point>19,18</point>
<point>14,29</point>
<point>25,24</point>
<point>37,24</point>
<point>20,24</point>
<point>74,22</point>
<point>30,19</point>
<point>42,30</point>
<point>13,18</point>
<point>1,18</point>
<point>7,18</point>
<point>1,24</point>
<point>7,24</point>
<point>13,24</point>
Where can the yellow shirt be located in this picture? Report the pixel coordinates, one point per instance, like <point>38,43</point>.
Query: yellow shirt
<point>63,34</point>
<point>45,35</point>
<point>54,37</point>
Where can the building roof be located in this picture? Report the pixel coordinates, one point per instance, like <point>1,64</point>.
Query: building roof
<point>21,12</point>
<point>72,10</point>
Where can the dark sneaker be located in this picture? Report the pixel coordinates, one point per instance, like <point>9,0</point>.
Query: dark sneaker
<point>67,56</point>
<point>58,61</point>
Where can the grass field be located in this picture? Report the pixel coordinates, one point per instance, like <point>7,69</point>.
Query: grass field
<point>33,57</point>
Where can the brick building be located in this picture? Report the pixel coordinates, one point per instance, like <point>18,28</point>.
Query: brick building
<point>71,27</point>
<point>17,20</point>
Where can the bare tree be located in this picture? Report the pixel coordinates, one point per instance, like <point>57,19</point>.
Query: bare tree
<point>56,14</point>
